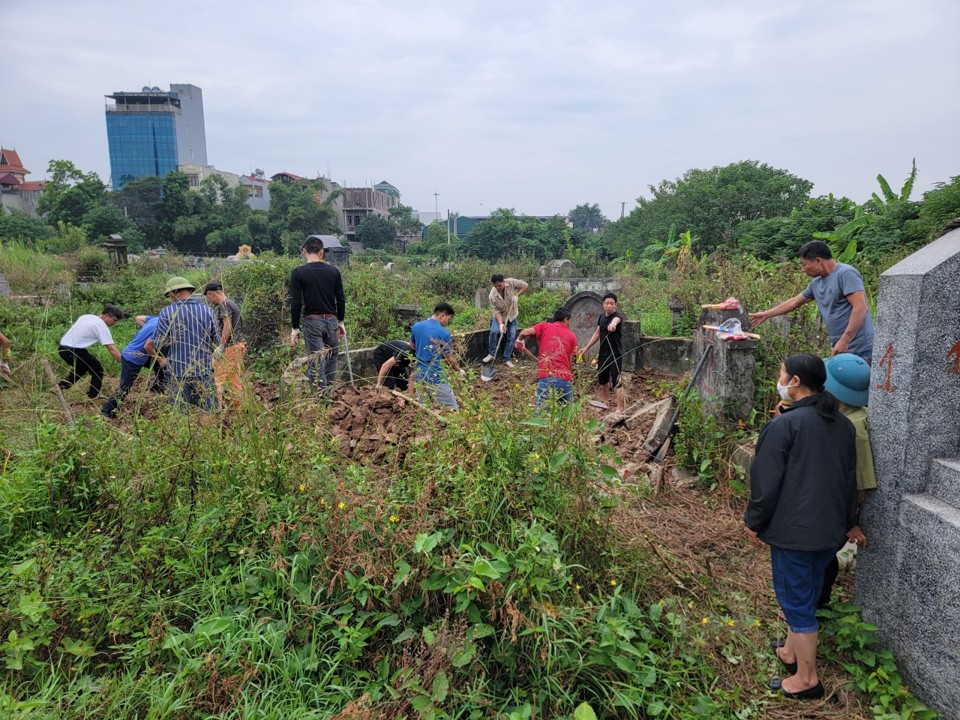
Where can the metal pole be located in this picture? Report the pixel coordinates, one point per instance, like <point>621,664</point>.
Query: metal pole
<point>448,226</point>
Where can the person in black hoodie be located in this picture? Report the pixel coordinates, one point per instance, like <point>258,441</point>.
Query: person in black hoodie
<point>803,501</point>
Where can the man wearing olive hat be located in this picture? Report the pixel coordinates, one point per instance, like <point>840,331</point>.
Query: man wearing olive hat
<point>186,335</point>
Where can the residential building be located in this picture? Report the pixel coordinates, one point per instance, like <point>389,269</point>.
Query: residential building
<point>152,132</point>
<point>258,189</point>
<point>16,192</point>
<point>360,202</point>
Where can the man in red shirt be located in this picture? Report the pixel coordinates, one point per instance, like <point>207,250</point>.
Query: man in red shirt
<point>558,347</point>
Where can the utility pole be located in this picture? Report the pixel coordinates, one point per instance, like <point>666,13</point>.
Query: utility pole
<point>448,226</point>
<point>436,207</point>
<point>623,206</point>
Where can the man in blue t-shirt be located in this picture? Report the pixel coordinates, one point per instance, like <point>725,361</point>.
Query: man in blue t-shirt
<point>430,341</point>
<point>841,298</point>
<point>132,360</point>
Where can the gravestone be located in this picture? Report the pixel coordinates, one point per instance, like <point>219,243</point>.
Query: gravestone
<point>908,579</point>
<point>726,384</point>
<point>586,307</point>
<point>481,298</point>
<point>558,268</point>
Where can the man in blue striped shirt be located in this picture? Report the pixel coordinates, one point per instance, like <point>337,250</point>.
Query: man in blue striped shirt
<point>187,334</point>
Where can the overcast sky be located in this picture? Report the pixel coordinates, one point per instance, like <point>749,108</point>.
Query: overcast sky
<point>538,106</point>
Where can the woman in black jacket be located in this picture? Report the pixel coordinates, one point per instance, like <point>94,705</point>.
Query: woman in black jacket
<point>803,501</point>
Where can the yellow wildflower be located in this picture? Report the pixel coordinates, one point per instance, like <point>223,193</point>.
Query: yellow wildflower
<point>341,505</point>
<point>730,623</point>
<point>302,487</point>
<point>757,623</point>
<point>613,582</point>
<point>704,620</point>
<point>394,519</point>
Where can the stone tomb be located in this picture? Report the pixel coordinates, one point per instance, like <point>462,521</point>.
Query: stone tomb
<point>908,579</point>
<point>586,307</point>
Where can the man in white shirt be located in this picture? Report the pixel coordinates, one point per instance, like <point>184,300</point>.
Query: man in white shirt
<point>86,332</point>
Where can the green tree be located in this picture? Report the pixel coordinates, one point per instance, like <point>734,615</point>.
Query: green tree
<point>141,200</point>
<point>297,210</point>
<point>507,235</point>
<point>106,219</point>
<point>16,225</point>
<point>779,238</point>
<point>70,193</point>
<point>939,207</point>
<point>377,232</point>
<point>586,217</point>
<point>407,224</point>
<point>496,237</point>
<point>711,204</point>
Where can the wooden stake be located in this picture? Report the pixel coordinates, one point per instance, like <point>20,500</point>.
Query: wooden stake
<point>56,390</point>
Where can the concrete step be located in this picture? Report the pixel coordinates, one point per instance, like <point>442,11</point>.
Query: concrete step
<point>935,518</point>
<point>944,480</point>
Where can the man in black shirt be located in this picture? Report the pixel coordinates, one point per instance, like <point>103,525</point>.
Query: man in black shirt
<point>316,292</point>
<point>609,334</point>
<point>392,360</point>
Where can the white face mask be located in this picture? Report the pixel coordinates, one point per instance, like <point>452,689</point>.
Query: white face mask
<point>784,391</point>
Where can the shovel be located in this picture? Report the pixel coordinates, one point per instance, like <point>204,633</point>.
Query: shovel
<point>661,452</point>
<point>488,371</point>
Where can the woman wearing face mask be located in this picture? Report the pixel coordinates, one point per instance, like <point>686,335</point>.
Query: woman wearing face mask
<point>803,501</point>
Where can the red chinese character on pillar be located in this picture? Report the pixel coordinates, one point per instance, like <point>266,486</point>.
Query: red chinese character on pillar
<point>955,353</point>
<point>887,362</point>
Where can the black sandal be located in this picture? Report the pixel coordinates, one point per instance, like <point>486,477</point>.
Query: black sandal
<point>789,667</point>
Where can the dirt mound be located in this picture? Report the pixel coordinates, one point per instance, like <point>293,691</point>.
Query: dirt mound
<point>372,423</point>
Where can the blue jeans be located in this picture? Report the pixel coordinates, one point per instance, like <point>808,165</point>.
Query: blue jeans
<point>200,392</point>
<point>320,333</point>
<point>128,373</point>
<point>495,339</point>
<point>797,581</point>
<point>547,386</point>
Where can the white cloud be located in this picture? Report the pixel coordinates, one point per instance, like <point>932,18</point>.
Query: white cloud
<point>533,106</point>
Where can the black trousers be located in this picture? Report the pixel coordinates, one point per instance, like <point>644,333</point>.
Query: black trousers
<point>81,362</point>
<point>128,373</point>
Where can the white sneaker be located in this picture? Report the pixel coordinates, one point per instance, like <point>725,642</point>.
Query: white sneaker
<point>510,363</point>
<point>487,359</point>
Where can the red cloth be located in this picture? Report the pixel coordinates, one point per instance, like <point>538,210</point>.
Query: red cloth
<point>557,345</point>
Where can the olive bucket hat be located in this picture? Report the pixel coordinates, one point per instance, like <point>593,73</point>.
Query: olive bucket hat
<point>176,284</point>
<point>848,379</point>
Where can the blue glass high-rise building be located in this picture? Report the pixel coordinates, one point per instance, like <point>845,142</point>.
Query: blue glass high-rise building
<point>151,132</point>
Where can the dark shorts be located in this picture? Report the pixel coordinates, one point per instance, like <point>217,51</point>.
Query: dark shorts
<point>797,581</point>
<point>609,371</point>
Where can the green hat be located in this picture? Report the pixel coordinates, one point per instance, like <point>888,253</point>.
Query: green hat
<point>175,284</point>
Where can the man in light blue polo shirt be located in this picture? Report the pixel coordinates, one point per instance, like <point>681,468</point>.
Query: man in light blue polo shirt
<point>132,360</point>
<point>430,340</point>
<point>841,298</point>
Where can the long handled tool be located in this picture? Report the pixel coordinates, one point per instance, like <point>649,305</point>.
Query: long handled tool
<point>661,452</point>
<point>346,351</point>
<point>488,371</point>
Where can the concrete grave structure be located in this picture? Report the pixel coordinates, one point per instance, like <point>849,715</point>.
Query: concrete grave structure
<point>726,383</point>
<point>908,579</point>
<point>586,307</point>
